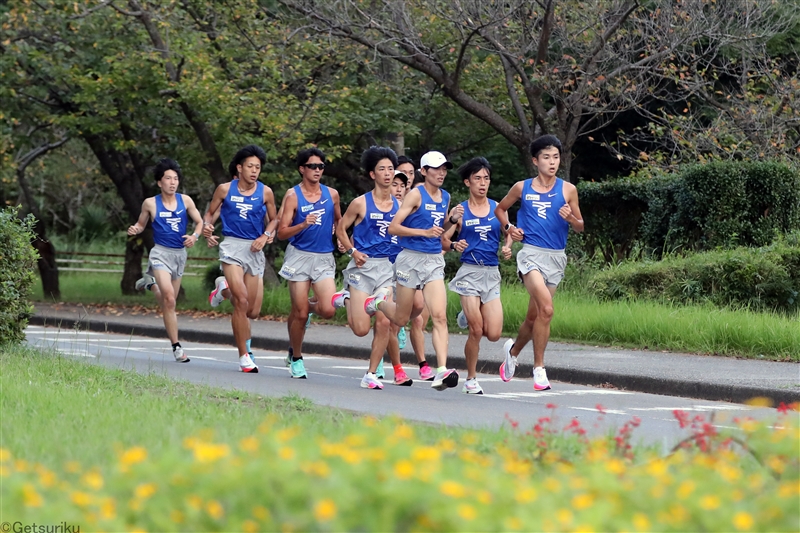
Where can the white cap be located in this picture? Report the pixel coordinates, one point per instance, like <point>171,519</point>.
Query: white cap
<point>434,160</point>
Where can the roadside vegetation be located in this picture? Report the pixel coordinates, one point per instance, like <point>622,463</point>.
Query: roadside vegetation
<point>115,450</point>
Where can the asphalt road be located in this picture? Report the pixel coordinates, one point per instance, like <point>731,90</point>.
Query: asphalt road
<point>334,381</point>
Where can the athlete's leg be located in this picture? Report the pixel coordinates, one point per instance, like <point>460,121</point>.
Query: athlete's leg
<point>323,290</point>
<point>492,313</point>
<point>298,294</point>
<point>543,295</point>
<point>399,312</point>
<point>240,324</point>
<point>166,292</point>
<point>436,301</point>
<point>380,341</point>
<point>255,294</point>
<point>358,319</point>
<point>418,323</point>
<point>471,306</point>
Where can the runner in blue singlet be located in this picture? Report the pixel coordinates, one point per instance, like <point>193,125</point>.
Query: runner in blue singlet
<point>548,208</point>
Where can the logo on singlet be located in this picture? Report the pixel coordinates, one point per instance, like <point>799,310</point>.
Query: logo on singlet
<point>483,232</point>
<point>437,218</point>
<point>318,213</point>
<point>541,208</point>
<point>243,210</point>
<point>376,216</point>
<point>173,223</point>
<point>164,214</point>
<point>237,198</point>
<point>383,225</point>
<point>472,222</point>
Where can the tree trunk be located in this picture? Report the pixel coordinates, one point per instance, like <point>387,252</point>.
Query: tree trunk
<point>270,277</point>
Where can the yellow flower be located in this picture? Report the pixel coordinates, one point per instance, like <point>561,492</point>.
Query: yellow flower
<point>176,516</point>
<point>788,489</point>
<point>5,455</point>
<point>30,497</point>
<point>776,463</point>
<point>552,484</point>
<point>208,453</point>
<point>370,421</point>
<point>403,431</point>
<point>248,526</point>
<point>525,495</point>
<point>678,514</point>
<point>485,497</point>
<point>260,512</point>
<point>46,477</point>
<point>641,522</point>
<point>582,501</point>
<point>287,434</point>
<point>134,455</point>
<point>325,510</point>
<point>80,498</point>
<point>759,401</point>
<point>709,502</point>
<point>467,512</point>
<point>447,445</point>
<point>469,439</point>
<point>286,453</point>
<point>355,440</point>
<point>194,501</point>
<point>21,465</point>
<point>93,479</point>
<point>144,490</point>
<point>249,444</point>
<point>425,453</point>
<point>564,516</point>
<point>657,468</point>
<point>513,523</point>
<point>403,469</point>
<point>73,467</point>
<point>615,466</point>
<point>743,521</point>
<point>214,509</point>
<point>318,468</point>
<point>108,509</point>
<point>685,489</point>
<point>452,489</point>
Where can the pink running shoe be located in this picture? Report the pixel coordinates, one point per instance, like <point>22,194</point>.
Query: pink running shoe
<point>216,298</point>
<point>426,373</point>
<point>402,379</point>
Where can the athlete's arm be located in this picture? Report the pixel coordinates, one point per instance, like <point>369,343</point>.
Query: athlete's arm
<point>570,211</point>
<point>194,214</point>
<point>352,217</point>
<point>216,201</point>
<point>288,209</point>
<point>337,216</point>
<point>448,244</point>
<point>272,214</point>
<point>454,217</point>
<point>410,203</point>
<point>501,211</point>
<point>147,214</point>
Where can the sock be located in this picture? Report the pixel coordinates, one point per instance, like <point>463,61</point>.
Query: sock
<point>441,369</point>
<point>397,368</point>
<point>296,358</point>
<point>424,363</point>
<point>291,352</point>
<point>176,345</point>
<point>248,346</point>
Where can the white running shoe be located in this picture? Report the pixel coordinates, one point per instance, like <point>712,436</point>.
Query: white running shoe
<point>144,283</point>
<point>509,365</point>
<point>180,357</point>
<point>247,365</point>
<point>371,303</point>
<point>370,381</point>
<point>216,298</point>
<point>471,387</point>
<point>540,381</point>
<point>445,380</point>
<point>461,320</point>
<point>338,298</point>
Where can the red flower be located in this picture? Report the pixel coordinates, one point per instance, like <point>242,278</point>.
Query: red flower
<point>600,408</point>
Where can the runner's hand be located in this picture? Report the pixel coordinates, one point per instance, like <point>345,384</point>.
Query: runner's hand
<point>212,241</point>
<point>360,258</point>
<point>506,251</point>
<point>435,231</point>
<point>517,234</point>
<point>460,246</point>
<point>456,213</point>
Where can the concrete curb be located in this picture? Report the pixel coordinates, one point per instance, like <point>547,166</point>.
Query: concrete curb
<point>623,381</point>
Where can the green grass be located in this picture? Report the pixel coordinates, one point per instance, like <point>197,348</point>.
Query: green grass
<point>578,318</point>
<point>114,450</point>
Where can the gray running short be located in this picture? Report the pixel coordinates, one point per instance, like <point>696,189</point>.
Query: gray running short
<point>549,263</point>
<point>416,269</point>
<point>173,260</point>
<point>376,273</point>
<point>235,251</point>
<point>303,266</point>
<point>474,280</point>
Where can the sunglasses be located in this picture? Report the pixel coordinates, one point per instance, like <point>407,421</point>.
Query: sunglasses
<point>315,166</point>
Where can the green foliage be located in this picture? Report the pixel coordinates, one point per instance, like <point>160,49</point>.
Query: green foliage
<point>760,278</point>
<point>17,267</point>
<point>93,223</point>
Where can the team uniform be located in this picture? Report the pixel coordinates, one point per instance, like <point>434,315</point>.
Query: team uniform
<point>420,260</point>
<point>545,239</point>
<point>242,223</point>
<point>309,254</point>
<point>169,227</point>
<point>371,237</point>
<point>479,274</point>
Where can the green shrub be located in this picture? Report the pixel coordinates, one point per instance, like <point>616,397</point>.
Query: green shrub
<point>17,264</point>
<point>763,278</point>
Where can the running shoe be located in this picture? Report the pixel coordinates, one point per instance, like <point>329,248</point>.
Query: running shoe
<point>145,282</point>
<point>402,338</point>
<point>370,381</point>
<point>298,369</point>
<point>380,372</point>
<point>338,298</point>
<point>540,381</point>
<point>371,303</point>
<point>402,379</point>
<point>179,356</point>
<point>445,380</point>
<point>247,365</point>
<point>509,365</point>
<point>471,387</point>
<point>426,373</point>
<point>216,298</point>
<point>288,358</point>
<point>461,320</point>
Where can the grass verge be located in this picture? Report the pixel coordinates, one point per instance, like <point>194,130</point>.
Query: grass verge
<point>578,318</point>
<point>113,450</point>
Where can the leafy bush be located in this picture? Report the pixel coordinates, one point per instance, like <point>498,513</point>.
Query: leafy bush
<point>93,223</point>
<point>17,264</point>
<point>762,278</point>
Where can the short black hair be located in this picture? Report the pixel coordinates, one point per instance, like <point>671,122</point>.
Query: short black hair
<point>374,154</point>
<point>304,155</point>
<point>232,170</point>
<point>403,159</point>
<point>251,150</point>
<point>474,165</point>
<point>418,178</point>
<point>545,141</point>
<point>166,164</point>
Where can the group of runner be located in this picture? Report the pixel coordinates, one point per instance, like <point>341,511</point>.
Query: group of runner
<point>395,236</point>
